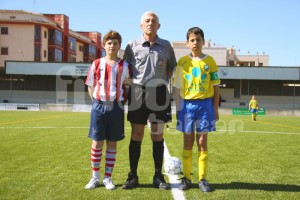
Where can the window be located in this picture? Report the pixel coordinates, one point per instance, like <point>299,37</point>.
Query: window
<point>45,34</point>
<point>58,38</point>
<point>55,55</point>
<point>58,55</point>
<point>50,54</point>
<point>80,48</point>
<point>51,37</point>
<point>45,54</point>
<point>72,43</point>
<point>89,52</point>
<point>92,51</point>
<point>4,50</point>
<point>37,34</point>
<point>4,30</point>
<point>37,50</point>
<point>103,53</point>
<point>55,38</point>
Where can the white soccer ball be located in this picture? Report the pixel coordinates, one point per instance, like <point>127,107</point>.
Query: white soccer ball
<point>173,166</point>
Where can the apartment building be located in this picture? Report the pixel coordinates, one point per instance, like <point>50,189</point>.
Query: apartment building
<point>27,36</point>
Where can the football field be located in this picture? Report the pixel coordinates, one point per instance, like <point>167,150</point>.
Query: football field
<point>46,155</point>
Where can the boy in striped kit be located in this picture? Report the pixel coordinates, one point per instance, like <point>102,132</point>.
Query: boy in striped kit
<point>106,81</point>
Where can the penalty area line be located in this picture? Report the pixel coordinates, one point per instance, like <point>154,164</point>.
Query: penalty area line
<point>173,179</point>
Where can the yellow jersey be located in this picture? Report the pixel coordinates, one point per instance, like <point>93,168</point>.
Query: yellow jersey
<point>196,77</point>
<point>253,104</point>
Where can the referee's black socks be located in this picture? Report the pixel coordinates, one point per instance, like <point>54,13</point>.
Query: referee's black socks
<point>158,156</point>
<point>134,156</point>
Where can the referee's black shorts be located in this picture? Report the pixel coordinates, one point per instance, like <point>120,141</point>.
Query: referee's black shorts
<point>151,103</point>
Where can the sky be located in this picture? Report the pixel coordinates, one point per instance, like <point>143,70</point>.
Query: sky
<point>256,26</point>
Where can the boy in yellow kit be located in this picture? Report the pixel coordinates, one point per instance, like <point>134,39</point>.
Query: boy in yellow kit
<point>196,93</point>
<point>253,107</point>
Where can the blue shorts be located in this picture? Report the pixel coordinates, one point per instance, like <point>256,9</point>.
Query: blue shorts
<point>107,121</point>
<point>253,110</point>
<point>196,115</point>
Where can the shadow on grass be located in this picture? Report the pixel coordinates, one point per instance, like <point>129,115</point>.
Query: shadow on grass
<point>140,186</point>
<point>256,186</point>
<point>237,186</point>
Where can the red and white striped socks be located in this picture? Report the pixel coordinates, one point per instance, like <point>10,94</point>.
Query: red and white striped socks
<point>96,155</point>
<point>110,161</point>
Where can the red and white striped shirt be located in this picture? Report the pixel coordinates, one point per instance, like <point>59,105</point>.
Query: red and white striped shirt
<point>108,79</point>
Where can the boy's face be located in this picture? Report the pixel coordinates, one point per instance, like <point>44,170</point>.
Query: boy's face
<point>195,42</point>
<point>112,47</point>
<point>150,24</point>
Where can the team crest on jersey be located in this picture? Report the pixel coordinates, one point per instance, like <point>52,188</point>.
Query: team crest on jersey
<point>196,78</point>
<point>206,67</point>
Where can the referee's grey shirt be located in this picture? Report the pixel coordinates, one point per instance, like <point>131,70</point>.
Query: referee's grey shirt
<point>150,63</point>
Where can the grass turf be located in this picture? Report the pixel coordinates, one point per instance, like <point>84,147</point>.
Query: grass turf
<point>45,155</point>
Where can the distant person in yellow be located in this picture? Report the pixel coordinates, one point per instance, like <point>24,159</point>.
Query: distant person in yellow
<point>253,107</point>
<point>196,93</point>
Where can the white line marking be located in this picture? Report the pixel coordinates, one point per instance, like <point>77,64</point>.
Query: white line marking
<point>272,132</point>
<point>173,179</point>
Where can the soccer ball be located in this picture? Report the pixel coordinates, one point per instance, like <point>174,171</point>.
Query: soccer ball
<point>173,166</point>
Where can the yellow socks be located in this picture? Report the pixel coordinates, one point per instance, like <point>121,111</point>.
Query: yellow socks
<point>202,164</point>
<point>187,163</point>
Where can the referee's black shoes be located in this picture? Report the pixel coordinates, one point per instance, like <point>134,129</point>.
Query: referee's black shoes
<point>159,182</point>
<point>131,182</point>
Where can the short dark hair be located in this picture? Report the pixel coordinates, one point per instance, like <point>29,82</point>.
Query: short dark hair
<point>110,35</point>
<point>196,31</point>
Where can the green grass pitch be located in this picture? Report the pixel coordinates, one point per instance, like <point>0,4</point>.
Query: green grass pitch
<point>46,155</point>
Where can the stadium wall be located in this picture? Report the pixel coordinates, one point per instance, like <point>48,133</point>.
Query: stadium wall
<point>46,84</point>
<point>80,101</point>
<point>44,97</point>
<point>280,102</point>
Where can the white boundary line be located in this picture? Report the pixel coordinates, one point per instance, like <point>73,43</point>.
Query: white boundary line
<point>271,132</point>
<point>173,179</point>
